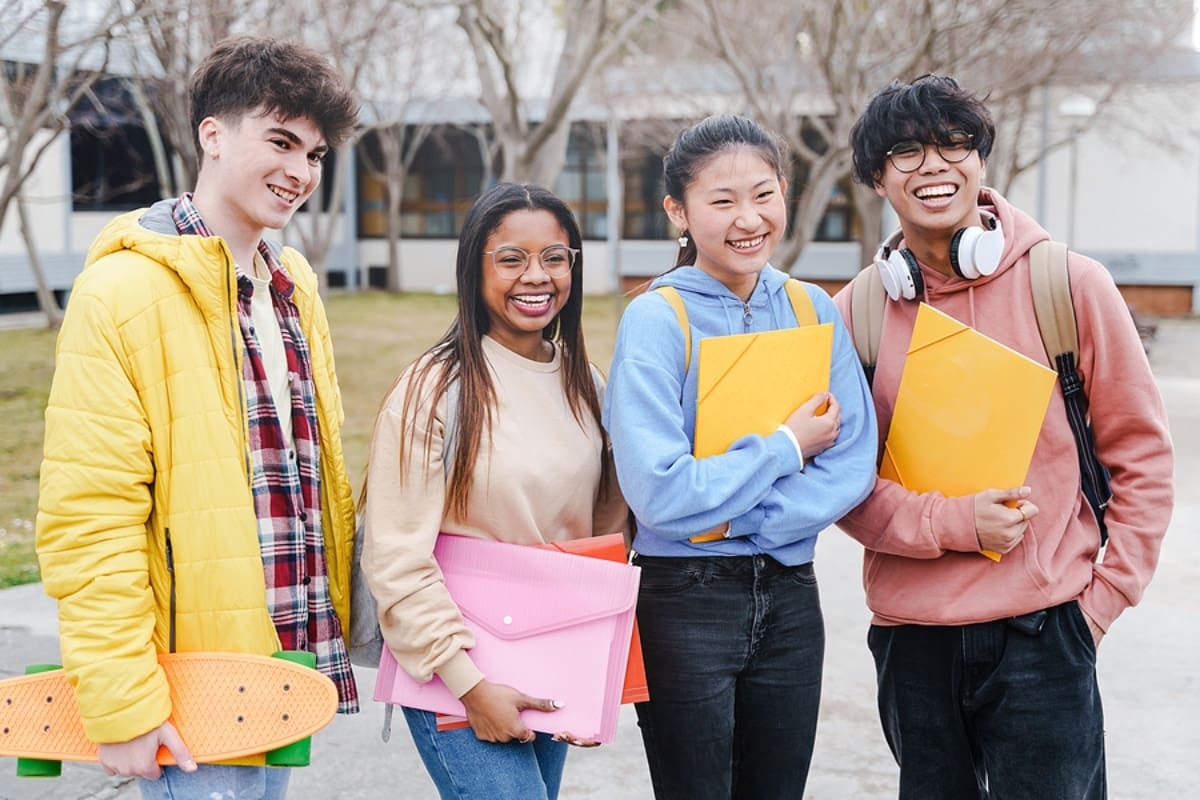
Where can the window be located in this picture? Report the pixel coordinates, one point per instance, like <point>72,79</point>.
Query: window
<point>112,165</point>
<point>444,180</point>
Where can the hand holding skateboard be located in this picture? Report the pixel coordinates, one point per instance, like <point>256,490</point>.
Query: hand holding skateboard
<point>224,706</point>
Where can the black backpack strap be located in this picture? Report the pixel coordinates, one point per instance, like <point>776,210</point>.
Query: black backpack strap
<point>1051,284</point>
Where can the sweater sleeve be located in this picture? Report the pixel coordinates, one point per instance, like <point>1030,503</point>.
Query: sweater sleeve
<point>757,484</point>
<point>1129,422</point>
<point>421,624</point>
<point>803,503</point>
<point>94,501</point>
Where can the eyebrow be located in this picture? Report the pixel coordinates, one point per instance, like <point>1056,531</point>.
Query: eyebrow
<point>296,140</point>
<point>759,185</point>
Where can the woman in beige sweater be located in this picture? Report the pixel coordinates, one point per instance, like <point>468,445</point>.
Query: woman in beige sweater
<point>494,432</point>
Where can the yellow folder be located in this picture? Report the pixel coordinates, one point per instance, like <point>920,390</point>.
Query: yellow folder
<point>751,382</point>
<point>968,411</point>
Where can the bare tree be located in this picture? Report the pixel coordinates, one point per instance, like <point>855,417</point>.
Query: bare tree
<point>170,38</point>
<point>35,99</point>
<point>514,43</point>
<point>355,43</point>
<point>806,68</point>
<point>401,96</point>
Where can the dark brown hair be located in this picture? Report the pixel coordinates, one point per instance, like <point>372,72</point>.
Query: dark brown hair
<point>458,355</point>
<point>257,74</point>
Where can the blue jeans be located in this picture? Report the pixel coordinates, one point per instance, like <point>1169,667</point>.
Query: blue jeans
<point>1004,709</point>
<point>465,768</point>
<point>209,780</point>
<point>733,648</point>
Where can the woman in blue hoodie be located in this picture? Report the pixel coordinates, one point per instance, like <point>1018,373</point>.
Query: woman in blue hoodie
<point>731,627</point>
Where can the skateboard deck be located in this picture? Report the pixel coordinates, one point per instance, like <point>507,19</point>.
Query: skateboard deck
<point>225,706</point>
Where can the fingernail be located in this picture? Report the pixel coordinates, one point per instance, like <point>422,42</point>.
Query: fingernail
<point>189,766</point>
<point>558,703</point>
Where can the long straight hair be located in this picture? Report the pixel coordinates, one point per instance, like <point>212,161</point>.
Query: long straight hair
<point>458,355</point>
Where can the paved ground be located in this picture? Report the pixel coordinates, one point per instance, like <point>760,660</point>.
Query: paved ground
<point>1148,669</point>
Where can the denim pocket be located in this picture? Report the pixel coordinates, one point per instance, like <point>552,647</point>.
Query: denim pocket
<point>664,576</point>
<point>1082,630</point>
<point>803,575</point>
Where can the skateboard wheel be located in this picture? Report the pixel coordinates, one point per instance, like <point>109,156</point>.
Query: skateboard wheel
<point>39,767</point>
<point>298,753</point>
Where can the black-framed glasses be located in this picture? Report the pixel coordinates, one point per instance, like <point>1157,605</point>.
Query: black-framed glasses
<point>909,155</point>
<point>511,262</point>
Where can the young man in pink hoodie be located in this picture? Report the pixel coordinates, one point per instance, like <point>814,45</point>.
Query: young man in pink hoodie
<point>987,671</point>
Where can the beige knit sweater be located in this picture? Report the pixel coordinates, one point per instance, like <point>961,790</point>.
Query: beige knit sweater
<point>536,481</point>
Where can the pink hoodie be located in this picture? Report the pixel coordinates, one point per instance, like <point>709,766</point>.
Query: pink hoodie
<point>922,563</point>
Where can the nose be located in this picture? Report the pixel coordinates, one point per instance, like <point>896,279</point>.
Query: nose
<point>748,218</point>
<point>933,160</point>
<point>297,167</point>
<point>532,276</point>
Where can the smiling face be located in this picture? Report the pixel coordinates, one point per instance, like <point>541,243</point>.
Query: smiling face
<point>734,212</point>
<point>519,309</point>
<point>257,171</point>
<point>936,199</point>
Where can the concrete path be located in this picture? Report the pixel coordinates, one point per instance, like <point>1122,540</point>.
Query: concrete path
<point>1149,671</point>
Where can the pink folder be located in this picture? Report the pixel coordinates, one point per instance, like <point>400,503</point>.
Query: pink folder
<point>548,623</point>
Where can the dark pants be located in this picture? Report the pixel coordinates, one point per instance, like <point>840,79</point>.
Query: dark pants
<point>995,710</point>
<point>733,650</point>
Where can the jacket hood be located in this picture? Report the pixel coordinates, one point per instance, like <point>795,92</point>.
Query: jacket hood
<point>699,282</point>
<point>1021,232</point>
<point>200,261</point>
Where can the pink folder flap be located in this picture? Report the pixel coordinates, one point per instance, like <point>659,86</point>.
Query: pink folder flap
<point>551,624</point>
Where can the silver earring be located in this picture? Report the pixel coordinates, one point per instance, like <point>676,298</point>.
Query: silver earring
<point>683,240</point>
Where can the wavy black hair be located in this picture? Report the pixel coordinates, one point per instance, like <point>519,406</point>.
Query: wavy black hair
<point>925,110</point>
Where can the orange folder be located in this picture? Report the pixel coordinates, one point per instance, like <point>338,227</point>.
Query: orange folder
<point>968,412</point>
<point>751,382</point>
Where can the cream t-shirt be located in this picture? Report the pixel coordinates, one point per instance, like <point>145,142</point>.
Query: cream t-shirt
<point>270,343</point>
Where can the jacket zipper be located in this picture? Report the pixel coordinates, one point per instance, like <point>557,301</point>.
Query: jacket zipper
<point>241,390</point>
<point>171,583</point>
<point>747,316</point>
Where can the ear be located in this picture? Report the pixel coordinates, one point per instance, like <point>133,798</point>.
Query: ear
<point>210,133</point>
<point>783,187</point>
<point>675,212</point>
<point>879,190</point>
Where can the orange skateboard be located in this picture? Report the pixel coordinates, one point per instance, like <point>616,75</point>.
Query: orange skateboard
<point>224,705</point>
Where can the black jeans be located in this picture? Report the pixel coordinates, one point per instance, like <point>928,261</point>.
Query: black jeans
<point>733,648</point>
<point>995,710</point>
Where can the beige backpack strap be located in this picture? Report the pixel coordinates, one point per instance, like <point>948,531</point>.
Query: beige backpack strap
<point>802,304</point>
<point>671,295</point>
<point>1052,299</point>
<point>867,300</point>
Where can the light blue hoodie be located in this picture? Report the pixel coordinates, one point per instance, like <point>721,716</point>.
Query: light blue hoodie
<point>772,505</point>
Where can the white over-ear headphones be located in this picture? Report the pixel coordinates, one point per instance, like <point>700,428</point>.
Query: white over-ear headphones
<point>974,253</point>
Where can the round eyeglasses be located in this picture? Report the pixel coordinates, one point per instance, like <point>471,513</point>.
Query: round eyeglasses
<point>511,262</point>
<point>909,155</point>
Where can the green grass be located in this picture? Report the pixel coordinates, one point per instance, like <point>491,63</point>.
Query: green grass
<point>375,336</point>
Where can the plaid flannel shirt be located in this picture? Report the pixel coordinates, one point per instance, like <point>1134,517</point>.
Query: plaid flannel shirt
<point>286,482</point>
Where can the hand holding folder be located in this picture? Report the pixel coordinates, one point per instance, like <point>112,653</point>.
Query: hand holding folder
<point>550,624</point>
<point>751,382</point>
<point>968,411</point>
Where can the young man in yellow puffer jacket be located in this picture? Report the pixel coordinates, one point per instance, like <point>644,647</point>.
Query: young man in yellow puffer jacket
<point>194,495</point>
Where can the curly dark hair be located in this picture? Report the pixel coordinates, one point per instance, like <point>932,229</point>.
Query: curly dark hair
<point>924,110</point>
<point>273,76</point>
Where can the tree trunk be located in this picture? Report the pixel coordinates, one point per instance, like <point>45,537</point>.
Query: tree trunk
<point>869,208</point>
<point>395,190</point>
<point>47,302</point>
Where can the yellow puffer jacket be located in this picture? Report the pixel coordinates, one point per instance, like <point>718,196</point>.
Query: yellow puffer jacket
<point>145,518</point>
